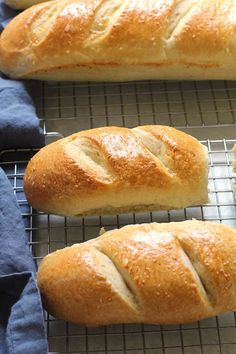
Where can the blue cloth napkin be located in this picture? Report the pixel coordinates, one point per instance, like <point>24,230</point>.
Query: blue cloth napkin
<point>19,124</point>
<point>5,14</point>
<point>21,316</point>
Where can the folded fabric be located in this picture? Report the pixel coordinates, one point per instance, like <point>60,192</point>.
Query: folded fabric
<point>21,315</point>
<point>22,321</point>
<point>19,124</point>
<point>5,15</point>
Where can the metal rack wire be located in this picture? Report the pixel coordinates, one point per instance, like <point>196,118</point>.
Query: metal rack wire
<point>67,107</point>
<point>179,104</point>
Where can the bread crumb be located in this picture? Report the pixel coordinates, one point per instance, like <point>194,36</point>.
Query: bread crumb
<point>102,231</point>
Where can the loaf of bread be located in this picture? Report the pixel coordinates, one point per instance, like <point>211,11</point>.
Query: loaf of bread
<point>113,170</point>
<point>151,273</point>
<point>22,4</point>
<point>106,40</point>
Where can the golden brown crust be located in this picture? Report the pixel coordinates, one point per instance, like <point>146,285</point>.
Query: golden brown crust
<point>121,40</point>
<point>115,169</point>
<point>170,273</point>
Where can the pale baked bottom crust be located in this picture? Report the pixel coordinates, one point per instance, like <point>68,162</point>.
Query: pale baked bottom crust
<point>134,209</point>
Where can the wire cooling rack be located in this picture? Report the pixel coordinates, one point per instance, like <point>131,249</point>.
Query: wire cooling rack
<point>205,109</point>
<point>187,105</point>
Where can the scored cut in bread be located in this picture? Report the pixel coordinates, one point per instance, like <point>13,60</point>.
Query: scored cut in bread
<point>113,170</point>
<point>151,273</point>
<point>120,40</point>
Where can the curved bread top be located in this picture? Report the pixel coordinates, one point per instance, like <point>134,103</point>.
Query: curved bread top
<point>148,33</point>
<point>152,273</point>
<point>105,161</point>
